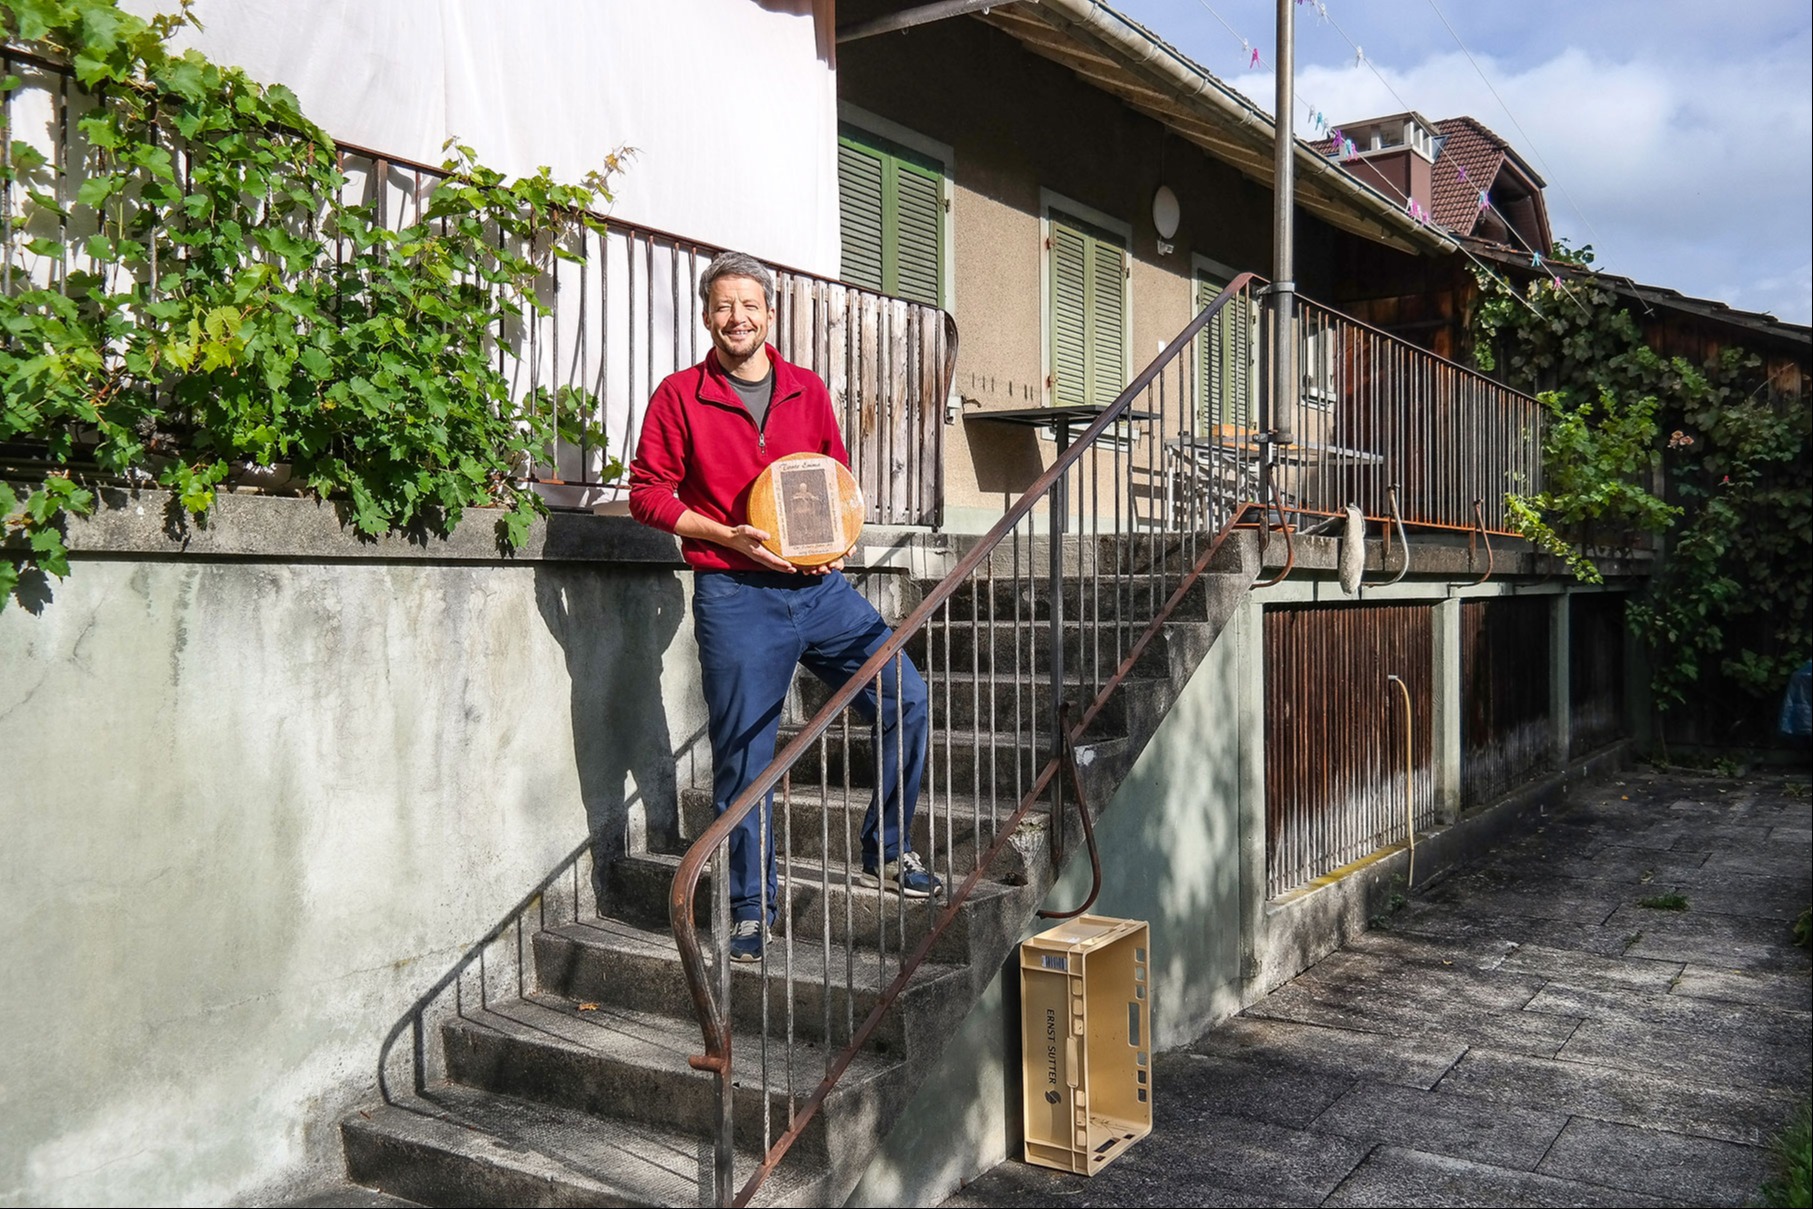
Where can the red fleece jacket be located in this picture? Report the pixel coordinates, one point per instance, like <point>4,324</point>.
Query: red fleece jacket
<point>700,449</point>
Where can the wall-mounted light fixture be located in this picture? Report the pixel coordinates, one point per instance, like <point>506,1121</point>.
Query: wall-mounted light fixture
<point>1165,213</point>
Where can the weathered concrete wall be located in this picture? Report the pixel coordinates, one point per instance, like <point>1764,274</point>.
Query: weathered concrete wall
<point>253,809</point>
<point>1170,843</point>
<point>1182,846</point>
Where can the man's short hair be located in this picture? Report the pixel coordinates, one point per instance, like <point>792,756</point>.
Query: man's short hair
<point>736,264</point>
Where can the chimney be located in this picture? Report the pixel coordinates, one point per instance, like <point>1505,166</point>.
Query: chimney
<point>1396,156</point>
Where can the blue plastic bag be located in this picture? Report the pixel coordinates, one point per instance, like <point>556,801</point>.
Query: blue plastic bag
<point>1797,704</point>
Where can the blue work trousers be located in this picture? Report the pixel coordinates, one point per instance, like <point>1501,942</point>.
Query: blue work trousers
<point>753,629</point>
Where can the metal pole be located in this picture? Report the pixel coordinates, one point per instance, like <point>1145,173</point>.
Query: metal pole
<point>1284,285</point>
<point>1054,587</point>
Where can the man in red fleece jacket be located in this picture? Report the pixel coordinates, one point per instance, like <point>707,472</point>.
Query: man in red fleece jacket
<point>709,432</point>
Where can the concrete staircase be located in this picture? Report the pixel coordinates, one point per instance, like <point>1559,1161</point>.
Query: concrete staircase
<point>572,1086</point>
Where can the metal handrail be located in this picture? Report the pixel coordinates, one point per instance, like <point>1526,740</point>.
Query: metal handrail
<point>619,315</point>
<point>714,1018</point>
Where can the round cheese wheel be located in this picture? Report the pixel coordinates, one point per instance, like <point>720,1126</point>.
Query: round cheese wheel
<point>810,507</point>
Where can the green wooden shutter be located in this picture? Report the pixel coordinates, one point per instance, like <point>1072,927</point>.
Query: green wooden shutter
<point>1224,359</point>
<point>919,229</point>
<point>1087,313</point>
<point>1069,316</point>
<point>891,206</point>
<point>1108,325</point>
<point>861,173</point>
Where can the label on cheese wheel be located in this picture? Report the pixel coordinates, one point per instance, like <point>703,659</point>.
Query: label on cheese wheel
<point>810,507</point>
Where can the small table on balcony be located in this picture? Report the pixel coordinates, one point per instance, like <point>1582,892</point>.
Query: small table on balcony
<point>1064,420</point>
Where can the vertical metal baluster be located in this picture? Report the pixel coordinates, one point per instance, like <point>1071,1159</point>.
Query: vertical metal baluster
<point>994,660</point>
<point>1124,551</point>
<point>851,859</point>
<point>877,753</point>
<point>6,180</point>
<point>824,895</point>
<point>62,178</point>
<point>987,579</point>
<point>648,316</point>
<point>901,826</point>
<point>949,731</point>
<point>724,1154</point>
<point>764,853</point>
<point>785,890</point>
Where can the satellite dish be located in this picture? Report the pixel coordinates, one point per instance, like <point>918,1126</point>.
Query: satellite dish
<point>1165,212</point>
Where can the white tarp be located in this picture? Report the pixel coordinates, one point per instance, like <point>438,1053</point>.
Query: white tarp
<point>732,114</point>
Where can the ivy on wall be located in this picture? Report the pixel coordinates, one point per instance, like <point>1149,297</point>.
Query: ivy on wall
<point>1731,600</point>
<point>230,308</point>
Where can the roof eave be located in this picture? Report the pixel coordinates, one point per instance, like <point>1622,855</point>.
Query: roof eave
<point>1125,59</point>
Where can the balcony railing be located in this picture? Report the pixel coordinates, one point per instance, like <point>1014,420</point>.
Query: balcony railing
<point>1024,648</point>
<point>1376,422</point>
<point>622,314</point>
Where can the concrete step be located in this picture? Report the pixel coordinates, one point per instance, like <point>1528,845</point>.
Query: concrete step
<point>987,764</point>
<point>460,1146</point>
<point>949,830</point>
<point>1023,651</point>
<point>880,923</point>
<point>609,961</point>
<point>624,1064</point>
<point>962,700</point>
<point>1097,592</point>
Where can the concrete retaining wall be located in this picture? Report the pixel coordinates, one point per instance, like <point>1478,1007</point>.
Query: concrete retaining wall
<point>1183,847</point>
<point>254,807</point>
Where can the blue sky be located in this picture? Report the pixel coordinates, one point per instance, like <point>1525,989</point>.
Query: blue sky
<point>1676,136</point>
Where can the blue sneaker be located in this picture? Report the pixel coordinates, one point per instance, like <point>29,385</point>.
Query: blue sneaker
<point>907,876</point>
<point>747,938</point>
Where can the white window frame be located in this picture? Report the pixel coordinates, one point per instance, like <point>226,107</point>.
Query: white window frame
<point>932,149</point>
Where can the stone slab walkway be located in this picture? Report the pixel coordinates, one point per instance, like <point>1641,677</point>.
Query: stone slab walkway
<point>1524,1032</point>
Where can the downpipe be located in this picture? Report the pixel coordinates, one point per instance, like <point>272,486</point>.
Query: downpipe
<point>1409,776</point>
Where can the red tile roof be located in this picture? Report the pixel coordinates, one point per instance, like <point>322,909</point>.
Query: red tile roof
<point>1470,148</point>
<point>1474,150</point>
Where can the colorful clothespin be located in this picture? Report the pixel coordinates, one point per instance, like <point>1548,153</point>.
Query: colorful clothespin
<point>1359,55</point>
<point>1463,173</point>
<point>1535,260</point>
<point>1557,277</point>
<point>1254,61</point>
<point>1484,201</point>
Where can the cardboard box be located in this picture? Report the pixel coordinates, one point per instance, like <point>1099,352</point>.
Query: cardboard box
<point>1085,1041</point>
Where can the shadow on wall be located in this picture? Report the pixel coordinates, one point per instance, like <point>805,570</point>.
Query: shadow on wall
<point>1007,458</point>
<point>614,629</point>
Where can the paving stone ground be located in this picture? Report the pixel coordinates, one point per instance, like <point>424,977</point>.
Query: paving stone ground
<point>1521,1033</point>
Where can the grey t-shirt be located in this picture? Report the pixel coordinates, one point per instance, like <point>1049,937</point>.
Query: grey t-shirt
<point>755,395</point>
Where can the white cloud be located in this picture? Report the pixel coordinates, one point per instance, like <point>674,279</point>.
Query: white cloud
<point>1695,178</point>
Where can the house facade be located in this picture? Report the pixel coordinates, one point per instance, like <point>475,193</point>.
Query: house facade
<point>347,786</point>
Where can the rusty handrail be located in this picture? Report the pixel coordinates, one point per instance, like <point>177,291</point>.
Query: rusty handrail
<point>714,1021</point>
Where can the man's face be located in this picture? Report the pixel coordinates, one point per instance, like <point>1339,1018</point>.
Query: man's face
<point>737,316</point>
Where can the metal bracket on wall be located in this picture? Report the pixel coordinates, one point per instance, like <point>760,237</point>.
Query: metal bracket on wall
<point>1067,757</point>
<point>1290,541</point>
<point>1479,530</point>
<point>1397,518</point>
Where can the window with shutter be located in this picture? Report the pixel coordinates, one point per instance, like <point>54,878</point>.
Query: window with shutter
<point>1225,383</point>
<point>891,207</point>
<point>1086,313</point>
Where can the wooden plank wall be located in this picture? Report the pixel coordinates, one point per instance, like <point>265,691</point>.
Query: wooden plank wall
<point>887,363</point>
